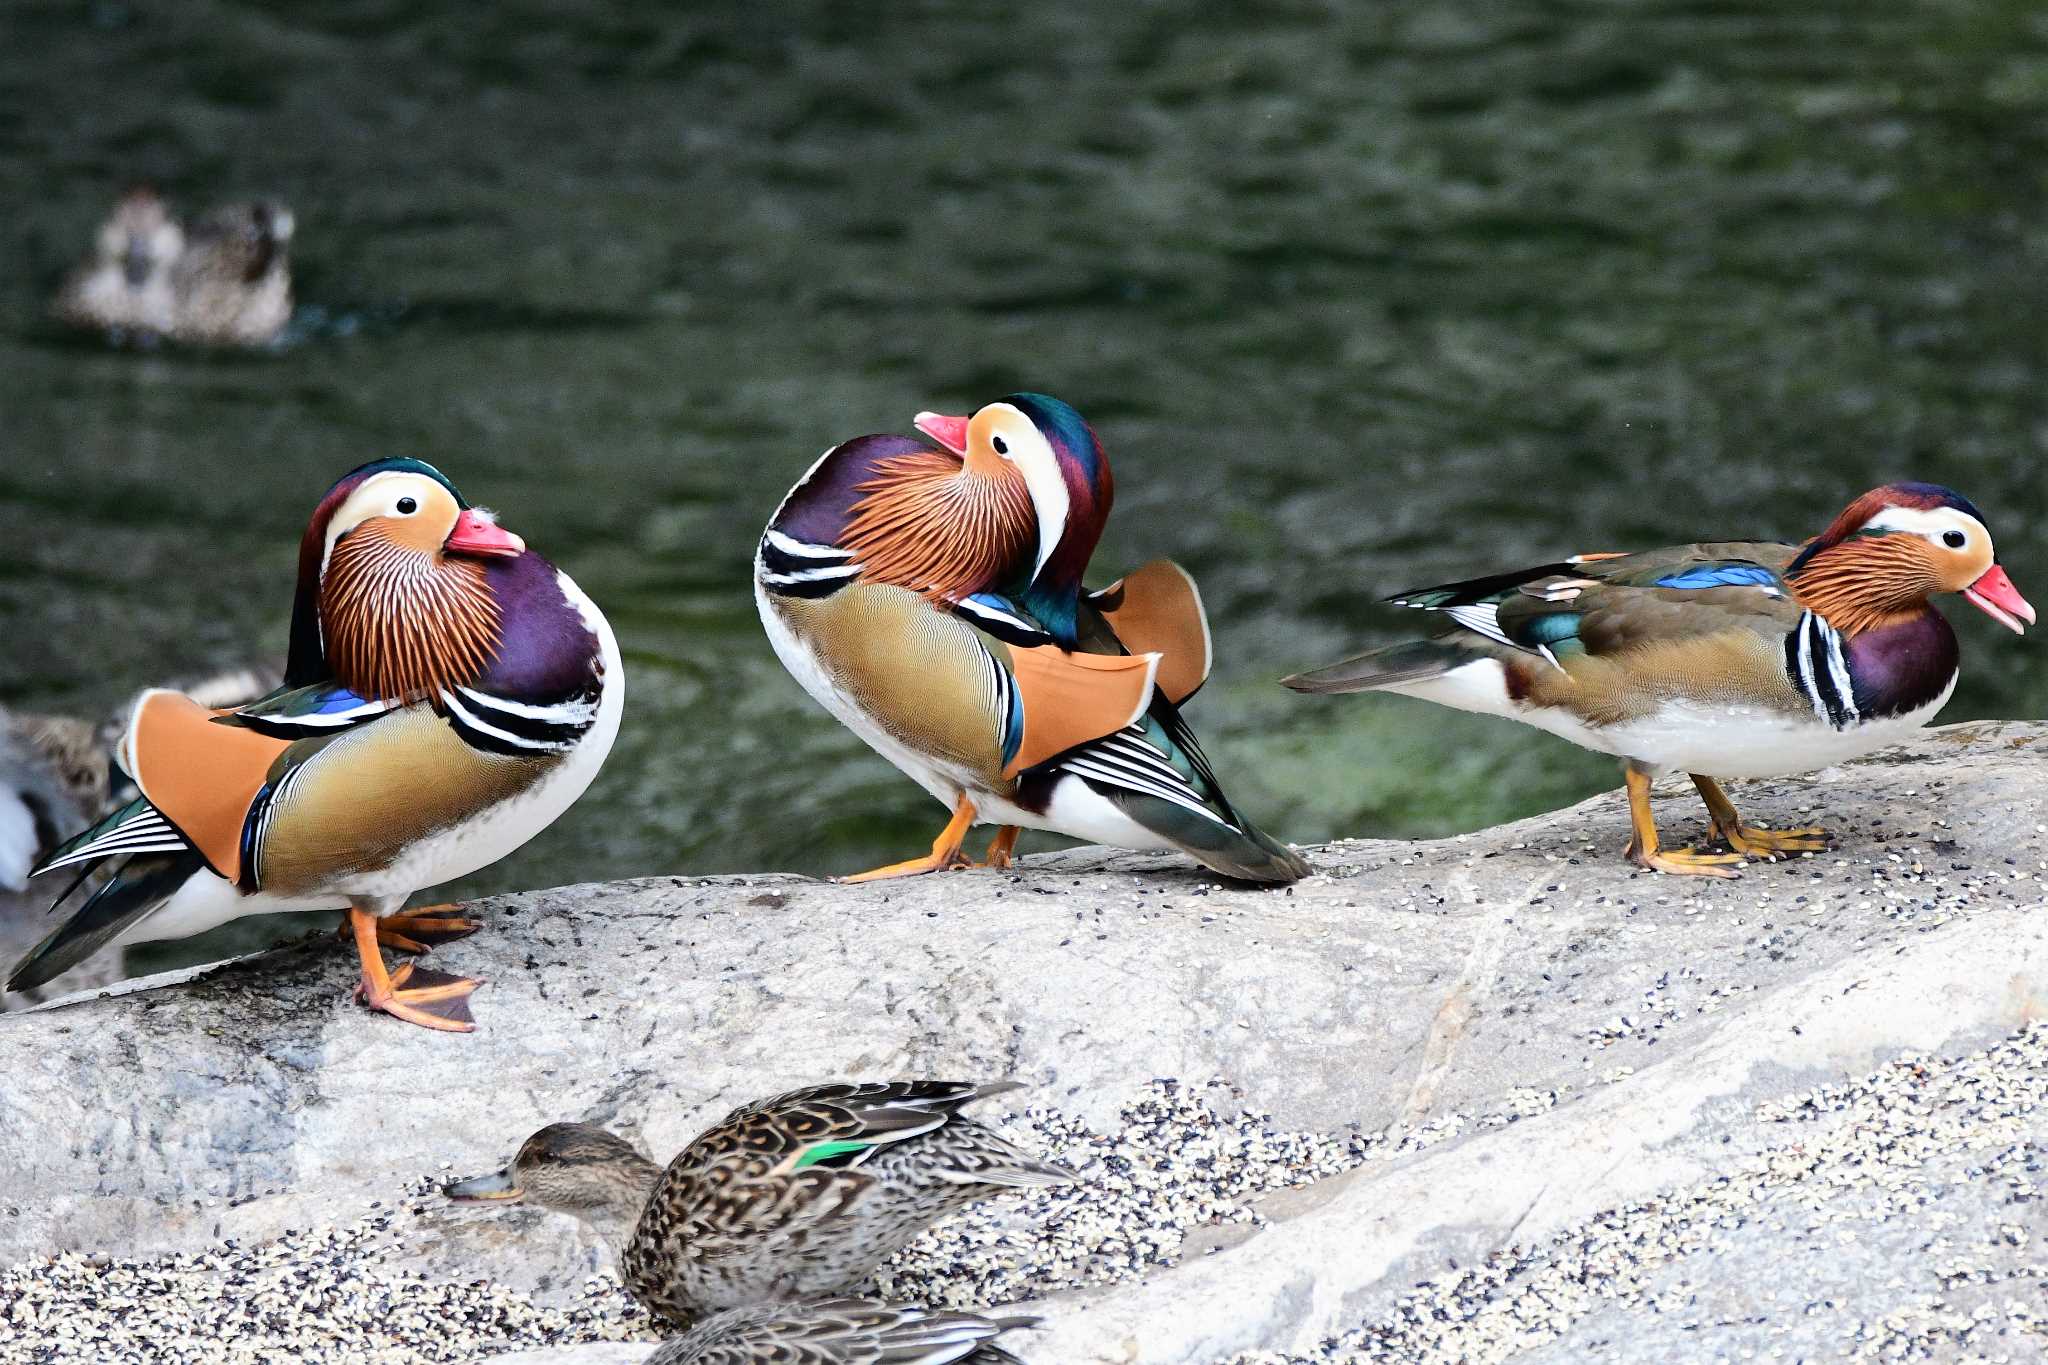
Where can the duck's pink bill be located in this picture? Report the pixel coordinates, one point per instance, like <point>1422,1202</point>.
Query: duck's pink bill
<point>1996,597</point>
<point>476,534</point>
<point>950,432</point>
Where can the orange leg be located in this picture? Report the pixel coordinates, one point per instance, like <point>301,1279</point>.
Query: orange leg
<point>945,854</point>
<point>416,931</point>
<point>1643,849</point>
<point>1747,839</point>
<point>432,1000</point>
<point>1002,848</point>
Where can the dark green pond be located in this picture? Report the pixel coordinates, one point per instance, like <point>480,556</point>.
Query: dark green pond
<point>1358,296</point>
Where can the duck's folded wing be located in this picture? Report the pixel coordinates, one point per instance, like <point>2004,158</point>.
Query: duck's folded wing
<point>201,779</point>
<point>1158,610</point>
<point>1062,700</point>
<point>324,708</point>
<point>1600,605</point>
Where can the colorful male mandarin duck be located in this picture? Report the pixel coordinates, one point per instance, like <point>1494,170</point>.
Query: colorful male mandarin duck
<point>232,284</point>
<point>124,287</point>
<point>1721,660</point>
<point>929,595</point>
<point>793,1197</point>
<point>845,1331</point>
<point>448,693</point>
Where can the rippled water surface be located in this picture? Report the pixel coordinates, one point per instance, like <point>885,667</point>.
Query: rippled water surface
<point>1357,296</point>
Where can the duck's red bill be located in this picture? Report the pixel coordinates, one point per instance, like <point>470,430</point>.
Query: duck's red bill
<point>1996,597</point>
<point>475,534</point>
<point>950,432</point>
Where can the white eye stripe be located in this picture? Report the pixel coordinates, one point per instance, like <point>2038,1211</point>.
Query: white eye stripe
<point>1928,522</point>
<point>1034,458</point>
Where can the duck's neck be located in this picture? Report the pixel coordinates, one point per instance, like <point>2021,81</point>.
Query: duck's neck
<point>615,1220</point>
<point>1904,664</point>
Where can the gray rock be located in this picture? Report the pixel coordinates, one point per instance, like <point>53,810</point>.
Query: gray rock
<point>1637,1020</point>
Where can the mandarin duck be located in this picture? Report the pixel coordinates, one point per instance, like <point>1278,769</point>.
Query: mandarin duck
<point>124,287</point>
<point>1720,660</point>
<point>788,1198</point>
<point>232,284</point>
<point>57,773</point>
<point>843,1331</point>
<point>448,693</point>
<point>928,594</point>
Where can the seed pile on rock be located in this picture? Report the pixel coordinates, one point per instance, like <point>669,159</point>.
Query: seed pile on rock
<point>306,1296</point>
<point>1944,1158</point>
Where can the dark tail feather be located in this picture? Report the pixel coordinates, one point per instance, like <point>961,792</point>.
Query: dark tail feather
<point>143,883</point>
<point>1388,667</point>
<point>1247,854</point>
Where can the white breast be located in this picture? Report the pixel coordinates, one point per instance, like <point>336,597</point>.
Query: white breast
<point>1728,739</point>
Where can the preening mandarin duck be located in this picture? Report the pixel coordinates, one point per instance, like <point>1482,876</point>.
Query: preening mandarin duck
<point>448,693</point>
<point>793,1197</point>
<point>1723,660</point>
<point>844,1331</point>
<point>124,287</point>
<point>232,284</point>
<point>928,594</point>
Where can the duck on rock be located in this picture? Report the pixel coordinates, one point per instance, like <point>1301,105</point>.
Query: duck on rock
<point>1721,660</point>
<point>788,1198</point>
<point>928,593</point>
<point>447,695</point>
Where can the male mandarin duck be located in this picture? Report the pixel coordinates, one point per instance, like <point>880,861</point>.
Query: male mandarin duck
<point>232,284</point>
<point>787,1198</point>
<point>1720,660</point>
<point>928,594</point>
<point>841,1331</point>
<point>124,287</point>
<point>447,695</point>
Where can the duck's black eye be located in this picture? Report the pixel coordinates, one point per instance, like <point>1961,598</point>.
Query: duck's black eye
<point>406,507</point>
<point>1002,446</point>
<point>1955,540</point>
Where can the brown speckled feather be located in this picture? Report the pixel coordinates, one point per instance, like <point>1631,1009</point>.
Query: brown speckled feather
<point>840,1331</point>
<point>804,1194</point>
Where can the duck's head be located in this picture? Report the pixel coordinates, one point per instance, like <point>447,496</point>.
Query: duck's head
<point>251,237</point>
<point>393,599</point>
<point>1896,546</point>
<point>140,237</point>
<point>1062,464</point>
<point>568,1167</point>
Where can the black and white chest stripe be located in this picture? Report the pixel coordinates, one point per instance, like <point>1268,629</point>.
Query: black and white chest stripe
<point>1818,669</point>
<point>794,568</point>
<point>500,725</point>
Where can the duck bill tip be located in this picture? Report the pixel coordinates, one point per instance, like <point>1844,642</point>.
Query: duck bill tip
<point>478,533</point>
<point>496,1188</point>
<point>950,432</point>
<point>1995,596</point>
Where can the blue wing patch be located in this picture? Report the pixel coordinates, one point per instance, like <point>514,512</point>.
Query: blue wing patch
<point>1720,576</point>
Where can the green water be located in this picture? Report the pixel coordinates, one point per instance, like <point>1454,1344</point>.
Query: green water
<point>1358,296</point>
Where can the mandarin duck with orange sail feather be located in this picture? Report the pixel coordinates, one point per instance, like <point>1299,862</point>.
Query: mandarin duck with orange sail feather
<point>447,695</point>
<point>1721,660</point>
<point>928,594</point>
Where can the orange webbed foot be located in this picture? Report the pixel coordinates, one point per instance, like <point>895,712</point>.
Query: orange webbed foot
<point>419,995</point>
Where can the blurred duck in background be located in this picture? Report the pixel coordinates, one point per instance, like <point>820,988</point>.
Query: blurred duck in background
<point>232,284</point>
<point>224,282</point>
<point>124,287</point>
